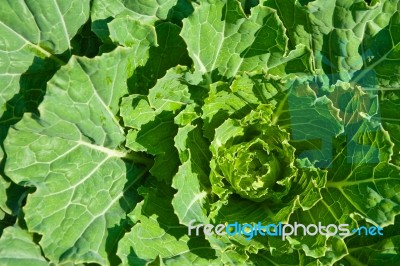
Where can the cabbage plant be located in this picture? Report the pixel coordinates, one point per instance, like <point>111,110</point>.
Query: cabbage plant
<point>127,123</point>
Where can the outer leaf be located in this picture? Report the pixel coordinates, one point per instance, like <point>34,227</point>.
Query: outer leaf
<point>168,95</point>
<point>228,42</point>
<point>34,30</point>
<point>170,52</point>
<point>313,121</point>
<point>188,202</point>
<point>376,250</point>
<point>157,233</point>
<point>350,40</point>
<point>152,120</point>
<point>18,249</point>
<point>372,196</point>
<point>3,186</point>
<point>3,196</point>
<point>74,160</point>
<point>192,177</point>
<point>33,35</point>
<point>131,33</point>
<point>358,180</point>
<point>358,196</point>
<point>150,9</point>
<point>390,121</point>
<point>381,49</point>
<point>147,12</point>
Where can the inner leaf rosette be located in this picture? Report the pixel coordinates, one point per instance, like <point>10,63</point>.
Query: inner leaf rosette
<point>252,157</point>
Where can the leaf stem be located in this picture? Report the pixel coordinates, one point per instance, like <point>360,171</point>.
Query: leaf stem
<point>353,261</point>
<point>48,54</point>
<point>279,110</point>
<point>139,158</point>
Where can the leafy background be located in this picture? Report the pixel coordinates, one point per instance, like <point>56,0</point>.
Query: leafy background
<point>117,118</point>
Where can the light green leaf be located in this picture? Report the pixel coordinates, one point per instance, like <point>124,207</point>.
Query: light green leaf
<point>350,40</point>
<point>168,95</point>
<point>83,178</point>
<point>170,52</point>
<point>147,12</point>
<point>150,10</point>
<point>360,196</point>
<point>298,257</point>
<point>132,33</point>
<point>3,186</point>
<point>152,120</point>
<point>3,195</point>
<point>18,249</point>
<point>157,232</point>
<point>187,115</point>
<point>191,181</point>
<point>150,138</point>
<point>235,101</point>
<point>228,42</point>
<point>220,105</point>
<point>366,189</point>
<point>34,30</point>
<point>361,184</point>
<point>252,158</point>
